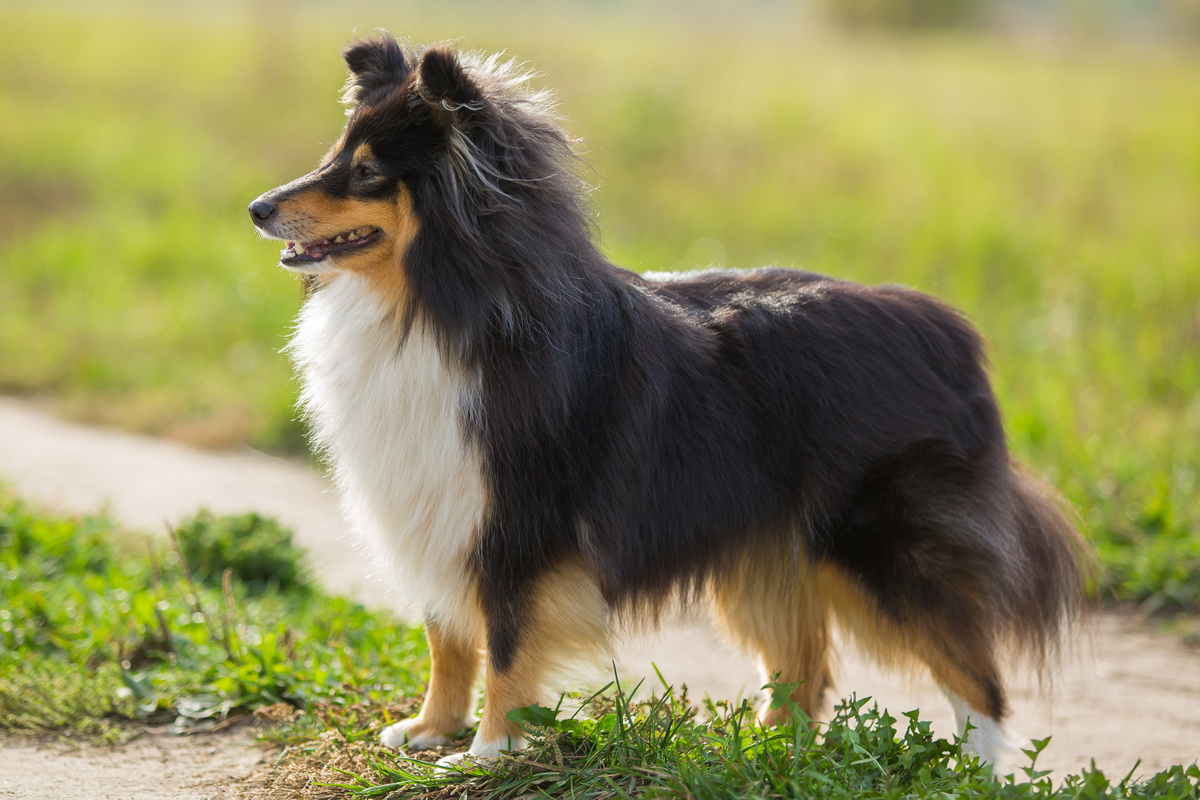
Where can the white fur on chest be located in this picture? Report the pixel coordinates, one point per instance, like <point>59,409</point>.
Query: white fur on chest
<point>390,418</point>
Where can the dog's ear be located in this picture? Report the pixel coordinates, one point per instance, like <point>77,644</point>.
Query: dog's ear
<point>444,84</point>
<point>374,63</point>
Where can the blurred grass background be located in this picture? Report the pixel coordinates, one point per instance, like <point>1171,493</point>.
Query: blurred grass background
<point>1038,169</point>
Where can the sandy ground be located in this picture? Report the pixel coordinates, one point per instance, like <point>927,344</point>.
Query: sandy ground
<point>157,764</point>
<point>1127,694</point>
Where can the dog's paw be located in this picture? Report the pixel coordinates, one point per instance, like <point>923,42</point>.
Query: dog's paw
<point>483,752</point>
<point>415,734</point>
<point>463,760</point>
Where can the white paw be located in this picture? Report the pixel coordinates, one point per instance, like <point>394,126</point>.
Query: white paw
<point>989,741</point>
<point>483,751</point>
<point>987,737</point>
<point>459,761</point>
<point>406,735</point>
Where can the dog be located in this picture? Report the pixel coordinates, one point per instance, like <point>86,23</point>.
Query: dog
<point>544,445</point>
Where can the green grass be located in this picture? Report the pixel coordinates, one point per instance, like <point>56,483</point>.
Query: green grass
<point>99,629</point>
<point>1049,191</point>
<point>660,748</point>
<point>100,632</point>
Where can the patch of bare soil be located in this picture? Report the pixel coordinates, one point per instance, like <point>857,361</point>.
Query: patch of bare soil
<point>157,764</point>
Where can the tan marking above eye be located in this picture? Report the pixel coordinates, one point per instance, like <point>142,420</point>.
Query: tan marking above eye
<point>362,154</point>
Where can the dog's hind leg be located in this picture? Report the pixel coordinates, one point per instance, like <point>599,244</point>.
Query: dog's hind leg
<point>450,700</point>
<point>770,607</point>
<point>925,566</point>
<point>986,738</point>
<point>953,641</point>
<point>951,634</point>
<point>968,674</point>
<point>564,619</point>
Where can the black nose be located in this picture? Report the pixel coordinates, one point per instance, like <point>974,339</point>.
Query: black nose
<point>261,210</point>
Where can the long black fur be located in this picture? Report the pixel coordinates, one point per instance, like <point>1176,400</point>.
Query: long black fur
<point>657,428</point>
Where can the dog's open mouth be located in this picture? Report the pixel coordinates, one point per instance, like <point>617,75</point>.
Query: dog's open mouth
<point>307,252</point>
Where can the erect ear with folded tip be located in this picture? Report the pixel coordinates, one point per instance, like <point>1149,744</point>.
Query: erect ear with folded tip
<point>446,86</point>
<point>374,63</point>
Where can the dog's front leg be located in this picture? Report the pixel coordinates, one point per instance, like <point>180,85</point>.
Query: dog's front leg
<point>450,701</point>
<point>505,689</point>
<point>559,619</point>
<point>517,655</point>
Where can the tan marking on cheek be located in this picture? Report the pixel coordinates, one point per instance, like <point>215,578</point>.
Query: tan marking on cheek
<point>328,216</point>
<point>382,263</point>
<point>383,266</point>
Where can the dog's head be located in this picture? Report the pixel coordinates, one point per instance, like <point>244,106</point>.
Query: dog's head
<point>354,209</point>
<point>441,153</point>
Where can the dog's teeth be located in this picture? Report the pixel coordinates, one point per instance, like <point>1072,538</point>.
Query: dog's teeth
<point>339,239</point>
<point>299,248</point>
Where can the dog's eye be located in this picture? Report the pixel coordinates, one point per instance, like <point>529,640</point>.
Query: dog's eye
<point>362,172</point>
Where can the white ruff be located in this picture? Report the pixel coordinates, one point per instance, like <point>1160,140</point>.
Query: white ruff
<point>389,418</point>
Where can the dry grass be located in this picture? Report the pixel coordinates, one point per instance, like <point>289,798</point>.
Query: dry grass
<point>310,772</point>
<point>321,767</point>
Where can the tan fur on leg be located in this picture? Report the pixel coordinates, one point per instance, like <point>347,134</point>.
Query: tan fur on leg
<point>965,665</point>
<point>569,622</point>
<point>449,702</point>
<point>773,608</point>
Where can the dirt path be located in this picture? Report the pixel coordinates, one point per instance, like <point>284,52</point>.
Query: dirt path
<point>157,764</point>
<point>1128,694</point>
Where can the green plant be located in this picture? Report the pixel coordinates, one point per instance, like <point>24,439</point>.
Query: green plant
<point>257,549</point>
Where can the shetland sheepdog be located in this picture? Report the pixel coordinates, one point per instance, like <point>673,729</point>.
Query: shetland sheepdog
<point>544,445</point>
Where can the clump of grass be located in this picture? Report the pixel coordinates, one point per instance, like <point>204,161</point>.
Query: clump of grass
<point>48,696</point>
<point>257,549</point>
<point>327,743</point>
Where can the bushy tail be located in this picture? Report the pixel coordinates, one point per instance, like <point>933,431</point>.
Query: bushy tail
<point>1057,564</point>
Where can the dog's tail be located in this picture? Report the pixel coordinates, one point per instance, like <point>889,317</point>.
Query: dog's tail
<point>1056,565</point>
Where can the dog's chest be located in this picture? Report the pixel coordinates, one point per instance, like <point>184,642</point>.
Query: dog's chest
<point>390,416</point>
